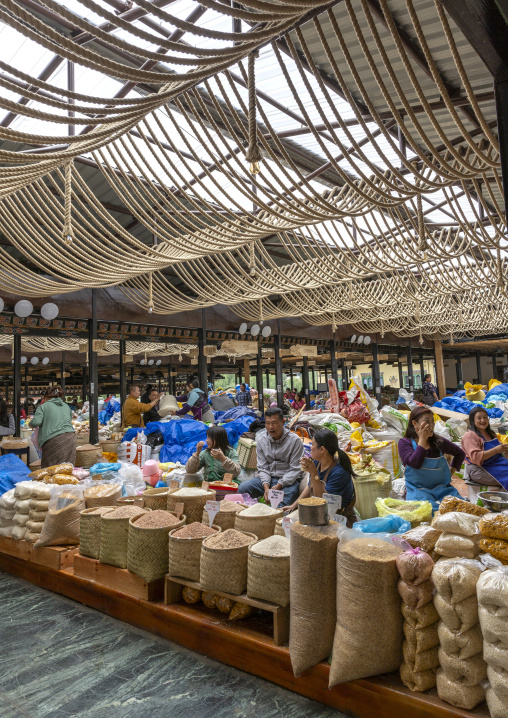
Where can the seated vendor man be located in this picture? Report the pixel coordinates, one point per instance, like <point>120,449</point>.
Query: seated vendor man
<point>278,452</point>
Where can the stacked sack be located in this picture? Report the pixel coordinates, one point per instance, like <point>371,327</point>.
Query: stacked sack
<point>494,530</point>
<point>460,537</point>
<point>21,508</point>
<point>421,660</point>
<point>492,592</point>
<point>459,680</point>
<point>38,509</point>
<point>7,512</point>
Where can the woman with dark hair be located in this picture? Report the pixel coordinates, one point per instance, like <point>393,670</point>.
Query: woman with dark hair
<point>429,391</point>
<point>486,456</point>
<point>330,472</point>
<point>56,434</point>
<point>217,459</point>
<point>428,476</point>
<point>7,424</point>
<point>299,401</point>
<point>196,402</point>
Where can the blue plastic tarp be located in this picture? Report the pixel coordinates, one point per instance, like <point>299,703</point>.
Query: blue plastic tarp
<point>131,434</point>
<point>181,437</point>
<point>464,407</point>
<point>12,470</point>
<point>383,524</point>
<point>460,393</point>
<point>103,417</point>
<point>500,392</point>
<point>233,414</point>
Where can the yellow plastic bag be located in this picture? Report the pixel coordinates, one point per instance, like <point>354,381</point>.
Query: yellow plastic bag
<point>357,440</point>
<point>503,438</point>
<point>413,511</point>
<point>493,382</point>
<point>474,392</point>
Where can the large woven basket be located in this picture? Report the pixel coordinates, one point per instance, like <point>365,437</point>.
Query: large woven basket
<point>114,539</point>
<point>192,505</point>
<point>260,526</point>
<point>12,444</point>
<point>268,577</point>
<point>156,499</point>
<point>90,531</point>
<point>112,500</point>
<point>367,490</point>
<point>110,446</point>
<point>247,453</point>
<point>88,455</point>
<point>224,569</point>
<point>147,550</point>
<point>185,556</point>
<point>224,519</point>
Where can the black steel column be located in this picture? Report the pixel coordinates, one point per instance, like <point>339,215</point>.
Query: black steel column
<point>123,377</point>
<point>210,376</point>
<point>313,378</point>
<point>62,372</point>
<point>422,369</point>
<point>479,368</point>
<point>94,373</point>
<point>333,361</point>
<point>401,374</point>
<point>259,382</point>
<point>458,369</point>
<point>202,366</point>
<point>85,383</point>
<point>16,397</point>
<point>291,382</point>
<point>267,374</point>
<point>26,389</point>
<point>278,368</point>
<point>410,376</point>
<point>494,366</point>
<point>343,370</point>
<point>305,382</point>
<point>376,374</point>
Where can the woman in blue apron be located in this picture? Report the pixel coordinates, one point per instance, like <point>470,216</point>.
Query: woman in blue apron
<point>428,476</point>
<point>486,456</point>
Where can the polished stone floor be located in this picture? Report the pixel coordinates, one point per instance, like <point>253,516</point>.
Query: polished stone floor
<point>59,659</point>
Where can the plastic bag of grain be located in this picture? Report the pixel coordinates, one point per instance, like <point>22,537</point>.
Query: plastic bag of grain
<point>225,518</point>
<point>457,545</point>
<point>312,590</point>
<point>223,564</point>
<point>259,520</point>
<point>492,591</point>
<point>90,530</point>
<point>184,550</point>
<point>61,525</point>
<point>193,501</point>
<point>368,636</point>
<point>147,544</point>
<point>114,534</point>
<point>268,570</point>
<point>457,522</point>
<point>102,494</point>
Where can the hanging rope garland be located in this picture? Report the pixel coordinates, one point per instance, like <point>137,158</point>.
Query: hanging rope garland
<point>253,153</point>
<point>68,233</point>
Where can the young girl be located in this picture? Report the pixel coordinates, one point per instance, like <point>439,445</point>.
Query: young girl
<point>217,459</point>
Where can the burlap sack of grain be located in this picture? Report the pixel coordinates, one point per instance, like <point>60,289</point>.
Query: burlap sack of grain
<point>114,535</point>
<point>147,549</point>
<point>312,590</point>
<point>184,555</point>
<point>368,636</point>
<point>90,530</point>
<point>492,591</point>
<point>192,505</point>
<point>457,694</point>
<point>417,681</point>
<point>260,526</point>
<point>224,569</point>
<point>268,577</point>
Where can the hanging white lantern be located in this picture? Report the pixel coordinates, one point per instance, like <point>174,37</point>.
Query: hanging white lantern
<point>1,304</point>
<point>23,360</point>
<point>254,330</point>
<point>142,362</point>
<point>158,362</point>
<point>34,360</point>
<point>49,311</point>
<point>45,361</point>
<point>367,340</point>
<point>266,331</point>
<point>150,362</point>
<point>360,339</point>
<point>23,308</point>
<point>243,328</point>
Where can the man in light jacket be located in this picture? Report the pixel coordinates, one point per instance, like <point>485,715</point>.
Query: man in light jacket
<point>279,452</point>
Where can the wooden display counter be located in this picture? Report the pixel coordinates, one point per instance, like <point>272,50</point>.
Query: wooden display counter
<point>247,646</point>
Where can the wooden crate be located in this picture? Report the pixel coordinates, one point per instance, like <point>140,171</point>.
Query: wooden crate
<point>57,557</point>
<point>119,579</point>
<point>12,547</point>
<point>173,593</point>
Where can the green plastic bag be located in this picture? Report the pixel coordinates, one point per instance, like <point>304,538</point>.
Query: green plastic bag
<point>416,512</point>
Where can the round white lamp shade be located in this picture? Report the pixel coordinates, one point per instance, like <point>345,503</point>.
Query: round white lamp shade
<point>45,361</point>
<point>158,362</point>
<point>266,331</point>
<point>1,304</point>
<point>49,311</point>
<point>34,360</point>
<point>23,308</point>
<point>142,362</point>
<point>254,330</point>
<point>360,339</point>
<point>150,362</point>
<point>367,340</point>
<point>23,360</point>
<point>243,328</point>
<point>353,339</point>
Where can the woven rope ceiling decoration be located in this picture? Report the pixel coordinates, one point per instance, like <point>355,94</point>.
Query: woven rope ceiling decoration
<point>412,134</point>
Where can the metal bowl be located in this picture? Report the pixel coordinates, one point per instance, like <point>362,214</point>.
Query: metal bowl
<point>494,500</point>
<point>313,515</point>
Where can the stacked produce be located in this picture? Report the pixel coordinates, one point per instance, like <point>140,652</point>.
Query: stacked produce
<point>7,512</point>
<point>492,592</point>
<point>39,506</point>
<point>418,670</point>
<point>368,634</point>
<point>236,610</point>
<point>21,509</point>
<point>424,537</point>
<point>459,680</point>
<point>58,474</point>
<point>494,531</point>
<point>460,537</point>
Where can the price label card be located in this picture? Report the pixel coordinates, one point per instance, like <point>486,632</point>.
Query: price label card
<point>228,478</point>
<point>286,523</point>
<point>179,509</point>
<point>334,503</point>
<point>174,485</point>
<point>275,496</point>
<point>212,509</point>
